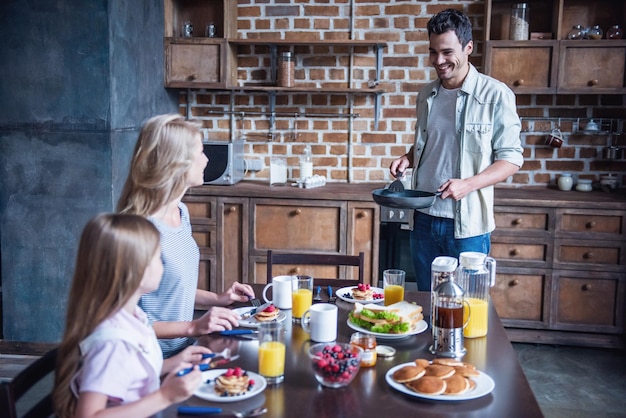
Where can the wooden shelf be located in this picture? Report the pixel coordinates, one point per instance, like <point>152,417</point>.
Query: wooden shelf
<point>312,42</point>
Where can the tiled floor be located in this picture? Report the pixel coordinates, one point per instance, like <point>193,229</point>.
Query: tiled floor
<point>568,382</point>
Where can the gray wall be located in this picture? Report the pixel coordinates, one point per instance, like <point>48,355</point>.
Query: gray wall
<point>78,79</point>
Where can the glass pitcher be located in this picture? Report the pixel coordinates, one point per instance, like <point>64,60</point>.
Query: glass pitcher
<point>448,321</point>
<point>476,275</point>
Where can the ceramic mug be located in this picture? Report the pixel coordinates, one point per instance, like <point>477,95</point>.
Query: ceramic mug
<point>555,139</point>
<point>281,291</point>
<point>320,320</point>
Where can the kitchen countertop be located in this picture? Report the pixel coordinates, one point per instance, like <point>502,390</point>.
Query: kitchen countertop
<point>531,196</point>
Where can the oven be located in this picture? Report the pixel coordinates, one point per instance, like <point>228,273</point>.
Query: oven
<point>395,245</point>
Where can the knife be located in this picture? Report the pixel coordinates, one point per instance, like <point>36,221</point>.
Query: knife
<point>198,410</point>
<point>253,311</point>
<point>239,332</point>
<point>202,367</point>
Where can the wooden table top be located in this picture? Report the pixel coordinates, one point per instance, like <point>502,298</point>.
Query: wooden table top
<point>369,395</point>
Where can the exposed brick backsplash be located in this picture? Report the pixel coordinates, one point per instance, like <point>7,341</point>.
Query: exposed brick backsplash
<point>351,149</point>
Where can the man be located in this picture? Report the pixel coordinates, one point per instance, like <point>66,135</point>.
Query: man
<point>467,138</point>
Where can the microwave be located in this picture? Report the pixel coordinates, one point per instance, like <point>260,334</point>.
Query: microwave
<point>226,162</point>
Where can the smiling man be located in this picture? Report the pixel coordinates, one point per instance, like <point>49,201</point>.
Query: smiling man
<point>467,138</point>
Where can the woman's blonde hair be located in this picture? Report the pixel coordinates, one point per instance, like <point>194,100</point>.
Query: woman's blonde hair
<point>113,254</point>
<point>160,162</point>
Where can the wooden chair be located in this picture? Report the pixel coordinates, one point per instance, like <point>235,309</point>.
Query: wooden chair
<point>12,391</point>
<point>300,259</point>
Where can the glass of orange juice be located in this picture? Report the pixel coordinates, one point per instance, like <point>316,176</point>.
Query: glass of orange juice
<point>301,296</point>
<point>393,283</point>
<point>272,351</point>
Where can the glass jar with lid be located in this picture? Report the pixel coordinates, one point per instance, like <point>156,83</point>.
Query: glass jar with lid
<point>595,32</point>
<point>577,32</point>
<point>614,32</point>
<point>518,30</point>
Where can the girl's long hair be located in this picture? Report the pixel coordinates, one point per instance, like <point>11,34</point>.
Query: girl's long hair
<point>160,162</point>
<point>113,254</point>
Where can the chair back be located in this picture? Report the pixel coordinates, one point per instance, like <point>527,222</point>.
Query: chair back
<point>301,259</point>
<point>12,391</point>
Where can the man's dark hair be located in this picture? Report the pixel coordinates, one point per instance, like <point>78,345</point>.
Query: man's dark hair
<point>451,19</point>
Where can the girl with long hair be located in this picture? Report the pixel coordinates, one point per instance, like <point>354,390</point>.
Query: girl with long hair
<point>109,363</point>
<point>167,160</point>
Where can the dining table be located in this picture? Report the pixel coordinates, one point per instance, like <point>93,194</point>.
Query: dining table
<point>370,394</point>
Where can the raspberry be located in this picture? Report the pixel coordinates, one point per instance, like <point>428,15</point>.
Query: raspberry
<point>238,372</point>
<point>270,308</point>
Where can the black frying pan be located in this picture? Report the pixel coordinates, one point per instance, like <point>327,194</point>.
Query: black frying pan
<point>408,199</point>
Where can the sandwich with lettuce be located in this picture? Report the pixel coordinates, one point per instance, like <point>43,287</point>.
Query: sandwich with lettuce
<point>398,318</point>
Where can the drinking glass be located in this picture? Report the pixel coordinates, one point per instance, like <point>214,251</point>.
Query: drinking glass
<point>301,296</point>
<point>272,351</point>
<point>393,283</point>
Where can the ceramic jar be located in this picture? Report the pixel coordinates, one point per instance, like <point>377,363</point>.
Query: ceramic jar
<point>565,182</point>
<point>584,185</point>
<point>608,183</point>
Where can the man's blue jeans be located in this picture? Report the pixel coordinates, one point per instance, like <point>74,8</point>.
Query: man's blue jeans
<point>433,237</point>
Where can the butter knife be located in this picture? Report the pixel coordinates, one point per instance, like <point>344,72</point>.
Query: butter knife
<point>253,311</point>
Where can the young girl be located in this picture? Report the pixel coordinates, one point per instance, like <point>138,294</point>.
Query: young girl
<point>109,363</point>
<point>169,159</point>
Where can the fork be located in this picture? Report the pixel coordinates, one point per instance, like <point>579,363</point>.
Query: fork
<point>255,302</point>
<point>331,298</point>
<point>396,185</point>
<point>205,410</point>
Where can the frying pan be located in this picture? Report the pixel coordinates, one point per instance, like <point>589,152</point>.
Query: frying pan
<point>408,199</point>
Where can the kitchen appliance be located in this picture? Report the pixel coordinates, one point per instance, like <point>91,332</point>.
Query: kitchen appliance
<point>394,251</point>
<point>226,162</point>
<point>448,321</point>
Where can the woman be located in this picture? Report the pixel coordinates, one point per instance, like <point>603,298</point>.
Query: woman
<point>169,159</point>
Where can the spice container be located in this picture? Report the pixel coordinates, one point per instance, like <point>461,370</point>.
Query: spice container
<point>519,22</point>
<point>577,32</point>
<point>286,70</point>
<point>614,32</point>
<point>595,33</point>
<point>368,343</point>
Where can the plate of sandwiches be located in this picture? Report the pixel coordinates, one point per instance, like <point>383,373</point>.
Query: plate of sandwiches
<point>361,293</point>
<point>270,314</point>
<point>442,379</point>
<point>393,322</point>
<point>230,385</point>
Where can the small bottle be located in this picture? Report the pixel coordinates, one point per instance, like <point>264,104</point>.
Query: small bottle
<point>187,30</point>
<point>210,30</point>
<point>519,22</point>
<point>577,32</point>
<point>306,164</point>
<point>286,70</point>
<point>565,182</point>
<point>614,32</point>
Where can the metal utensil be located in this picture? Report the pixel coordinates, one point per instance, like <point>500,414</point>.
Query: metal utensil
<point>235,332</point>
<point>225,353</point>
<point>255,310</point>
<point>318,296</point>
<point>407,199</point>
<point>205,410</point>
<point>331,298</point>
<point>396,185</point>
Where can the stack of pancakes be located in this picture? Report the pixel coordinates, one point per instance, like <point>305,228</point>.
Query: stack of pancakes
<point>439,377</point>
<point>362,294</point>
<point>232,384</point>
<point>268,314</point>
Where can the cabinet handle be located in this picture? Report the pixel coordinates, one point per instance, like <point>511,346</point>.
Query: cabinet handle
<point>297,211</point>
<point>514,282</point>
<point>590,224</point>
<point>593,82</point>
<point>588,255</point>
<point>296,270</point>
<point>232,209</point>
<point>362,214</point>
<point>517,221</point>
<point>519,82</point>
<point>192,77</point>
<point>515,252</point>
<point>586,287</point>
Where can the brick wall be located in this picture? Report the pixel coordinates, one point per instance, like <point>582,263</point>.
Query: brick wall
<point>351,148</point>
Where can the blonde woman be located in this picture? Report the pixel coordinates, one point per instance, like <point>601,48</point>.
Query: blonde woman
<point>109,362</point>
<point>169,159</point>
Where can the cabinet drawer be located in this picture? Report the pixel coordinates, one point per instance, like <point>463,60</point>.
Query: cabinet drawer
<point>592,67</point>
<point>206,237</point>
<point>518,295</point>
<point>609,224</point>
<point>587,303</point>
<point>515,64</point>
<point>590,254</point>
<point>513,220</point>
<point>306,226</point>
<point>517,250</point>
<point>201,210</point>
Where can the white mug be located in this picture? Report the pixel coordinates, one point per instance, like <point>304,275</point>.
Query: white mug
<point>281,292</point>
<point>321,322</point>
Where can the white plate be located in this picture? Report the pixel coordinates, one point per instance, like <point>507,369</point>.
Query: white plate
<point>418,328</point>
<point>348,290</point>
<point>207,390</point>
<point>252,322</point>
<point>484,386</point>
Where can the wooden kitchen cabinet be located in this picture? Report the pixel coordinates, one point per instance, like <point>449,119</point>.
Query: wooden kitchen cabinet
<point>236,225</point>
<point>561,266</point>
<point>555,64</point>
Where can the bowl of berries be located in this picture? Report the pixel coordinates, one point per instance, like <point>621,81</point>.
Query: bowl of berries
<point>335,364</point>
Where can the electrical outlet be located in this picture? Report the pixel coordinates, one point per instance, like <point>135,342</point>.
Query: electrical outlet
<point>254,164</point>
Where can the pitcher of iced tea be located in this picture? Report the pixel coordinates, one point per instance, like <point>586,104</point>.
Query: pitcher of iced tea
<point>476,274</point>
